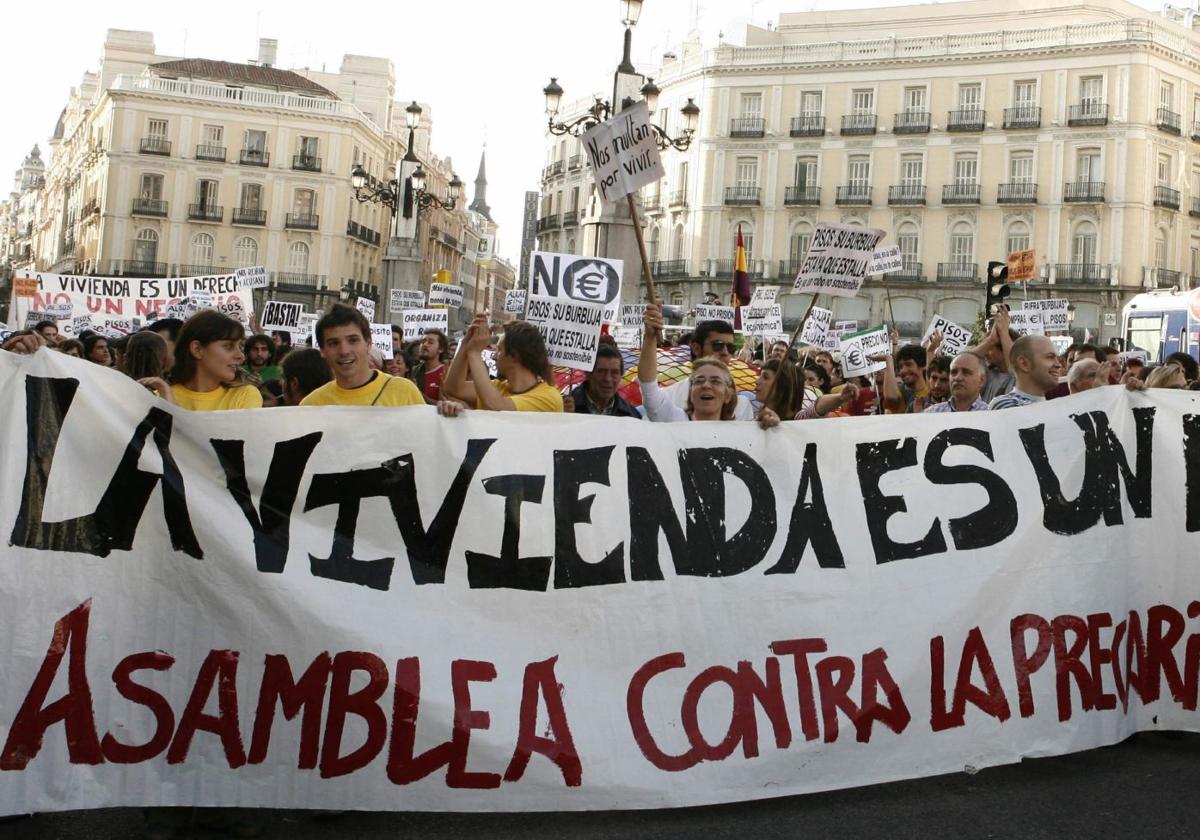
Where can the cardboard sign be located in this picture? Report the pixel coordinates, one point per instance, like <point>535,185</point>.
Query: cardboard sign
<point>760,319</point>
<point>624,153</point>
<point>707,312</point>
<point>254,277</point>
<point>627,336</point>
<point>833,338</point>
<point>1055,313</point>
<point>1027,322</point>
<point>25,286</point>
<point>816,326</point>
<point>838,260</point>
<point>1022,265</point>
<point>366,306</point>
<point>381,339</point>
<point>281,316</point>
<point>80,324</point>
<point>60,311</point>
<point>416,321</point>
<point>306,333</point>
<point>444,294</point>
<point>583,279</point>
<point>119,327</point>
<point>33,318</point>
<point>514,301</point>
<point>400,300</point>
<point>855,356</point>
<point>848,326</point>
<point>633,315</point>
<point>1127,355</point>
<point>571,329</point>
<point>764,294</point>
<point>955,339</point>
<point>886,260</point>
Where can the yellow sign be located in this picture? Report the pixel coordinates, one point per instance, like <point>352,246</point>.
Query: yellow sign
<point>1022,265</point>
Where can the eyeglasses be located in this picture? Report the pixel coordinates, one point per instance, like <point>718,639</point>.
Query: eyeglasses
<point>708,380</point>
<point>719,344</point>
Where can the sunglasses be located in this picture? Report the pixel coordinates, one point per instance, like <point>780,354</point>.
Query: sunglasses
<point>708,380</point>
<point>719,344</point>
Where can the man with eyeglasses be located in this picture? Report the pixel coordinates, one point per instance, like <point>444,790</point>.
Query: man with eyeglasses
<point>711,339</point>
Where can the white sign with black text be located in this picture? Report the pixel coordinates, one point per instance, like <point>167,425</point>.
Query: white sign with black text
<point>761,319</point>
<point>886,260</point>
<point>581,279</point>
<point>444,294</point>
<point>281,316</point>
<point>838,260</point>
<point>570,328</point>
<point>1054,311</point>
<point>400,300</point>
<point>707,312</point>
<point>1027,321</point>
<point>254,277</point>
<point>381,339</point>
<point>416,321</point>
<point>816,326</point>
<point>367,307</point>
<point>514,301</point>
<point>624,153</point>
<point>955,339</point>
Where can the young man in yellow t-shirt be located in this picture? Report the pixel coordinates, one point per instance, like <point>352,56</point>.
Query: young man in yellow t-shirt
<point>521,363</point>
<point>344,336</point>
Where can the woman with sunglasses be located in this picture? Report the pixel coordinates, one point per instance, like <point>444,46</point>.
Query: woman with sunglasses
<point>711,393</point>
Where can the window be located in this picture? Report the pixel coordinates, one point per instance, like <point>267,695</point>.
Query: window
<point>1019,238</point>
<point>909,241</point>
<point>682,181</point>
<point>303,202</point>
<point>862,101</point>
<point>256,141</point>
<point>751,106</point>
<point>297,259</point>
<point>145,246</point>
<point>747,240</point>
<point>677,251</point>
<point>1160,250</point>
<point>915,99</point>
<point>1164,170</point>
<point>1166,96</point>
<point>575,198</point>
<point>206,193</point>
<point>969,97</point>
<point>152,187</point>
<point>1194,262</point>
<point>213,135</point>
<point>1025,94</point>
<point>912,170</point>
<point>1083,245</point>
<point>157,129</point>
<point>1087,166</point>
<point>747,172</point>
<point>810,103</point>
<point>962,245</point>
<point>245,252</point>
<point>806,172</point>
<point>966,169</point>
<point>798,246</point>
<point>201,251</point>
<point>251,197</point>
<point>1091,90</point>
<point>308,147</point>
<point>1020,168</point>
<point>859,172</point>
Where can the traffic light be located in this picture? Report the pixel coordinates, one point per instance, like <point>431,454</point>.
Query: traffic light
<point>997,287</point>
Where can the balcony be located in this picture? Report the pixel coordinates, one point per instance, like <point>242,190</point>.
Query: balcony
<point>1195,211</point>
<point>664,269</point>
<point>1165,278</point>
<point>859,124</point>
<point>298,281</point>
<point>802,196</point>
<point>149,207</point>
<point>558,167</point>
<point>747,127</point>
<point>1196,131</point>
<point>450,240</point>
<point>570,218</point>
<point>248,216</point>
<point>302,221</point>
<point>809,125</point>
<point>139,268</point>
<point>1166,197</point>
<point>903,194</point>
<point>678,200</point>
<point>254,157</point>
<point>155,146</point>
<point>547,222</point>
<point>743,196</point>
<point>957,272</point>
<point>960,194</point>
<point>1169,121</point>
<point>206,212</point>
<point>911,122</point>
<point>1017,192</point>
<point>575,163</point>
<point>362,233</point>
<point>1023,117</point>
<point>854,195</point>
<point>1086,274</point>
<point>1083,192</point>
<point>652,204</point>
<point>213,153</point>
<point>182,270</point>
<point>789,269</point>
<point>724,268</point>
<point>306,163</point>
<point>910,273</point>
<point>1089,113</point>
<point>969,120</point>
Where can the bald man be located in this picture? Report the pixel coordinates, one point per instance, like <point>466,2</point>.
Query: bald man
<point>1035,364</point>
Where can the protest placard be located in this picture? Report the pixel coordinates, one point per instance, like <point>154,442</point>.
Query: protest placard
<point>833,338</point>
<point>708,312</point>
<point>627,336</point>
<point>416,321</point>
<point>514,301</point>
<point>584,279</point>
<point>129,297</point>
<point>366,306</point>
<point>280,315</point>
<point>955,338</point>
<point>80,324</point>
<point>849,326</point>
<point>570,328</point>
<point>633,315</point>
<point>401,299</point>
<point>445,294</point>
<point>35,317</point>
<point>25,286</point>
<point>763,295</point>
<point>381,339</point>
<point>1054,311</point>
<point>1127,355</point>
<point>254,277</point>
<point>855,361</point>
<point>623,152</point>
<point>1027,321</point>
<point>304,334</point>
<point>60,311</point>
<point>761,319</point>
<point>838,260</point>
<point>1022,265</point>
<point>817,325</point>
<point>886,260</point>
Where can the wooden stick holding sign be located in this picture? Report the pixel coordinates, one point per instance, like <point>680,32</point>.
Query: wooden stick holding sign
<point>641,243</point>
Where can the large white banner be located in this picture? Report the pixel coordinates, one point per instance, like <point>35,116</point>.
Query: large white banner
<point>383,609</point>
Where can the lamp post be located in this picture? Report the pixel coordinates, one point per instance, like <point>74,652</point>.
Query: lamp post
<point>602,110</point>
<point>406,196</point>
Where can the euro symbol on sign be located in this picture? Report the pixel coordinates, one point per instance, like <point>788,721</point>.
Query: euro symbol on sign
<point>591,280</point>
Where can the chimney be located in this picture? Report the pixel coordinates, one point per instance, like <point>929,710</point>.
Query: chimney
<point>268,48</point>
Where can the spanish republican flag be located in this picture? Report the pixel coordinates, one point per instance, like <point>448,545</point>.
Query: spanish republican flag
<point>741,281</point>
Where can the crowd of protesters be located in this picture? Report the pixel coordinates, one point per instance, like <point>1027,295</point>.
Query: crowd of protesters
<point>208,363</point>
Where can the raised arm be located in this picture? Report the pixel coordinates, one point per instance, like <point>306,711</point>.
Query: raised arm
<point>455,384</point>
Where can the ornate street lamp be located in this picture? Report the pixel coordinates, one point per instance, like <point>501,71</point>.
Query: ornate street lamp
<point>391,194</point>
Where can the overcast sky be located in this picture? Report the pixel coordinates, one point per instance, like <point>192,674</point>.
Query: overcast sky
<point>480,64</point>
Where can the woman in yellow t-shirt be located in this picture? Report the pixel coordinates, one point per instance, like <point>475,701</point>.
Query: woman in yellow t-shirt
<point>208,360</point>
